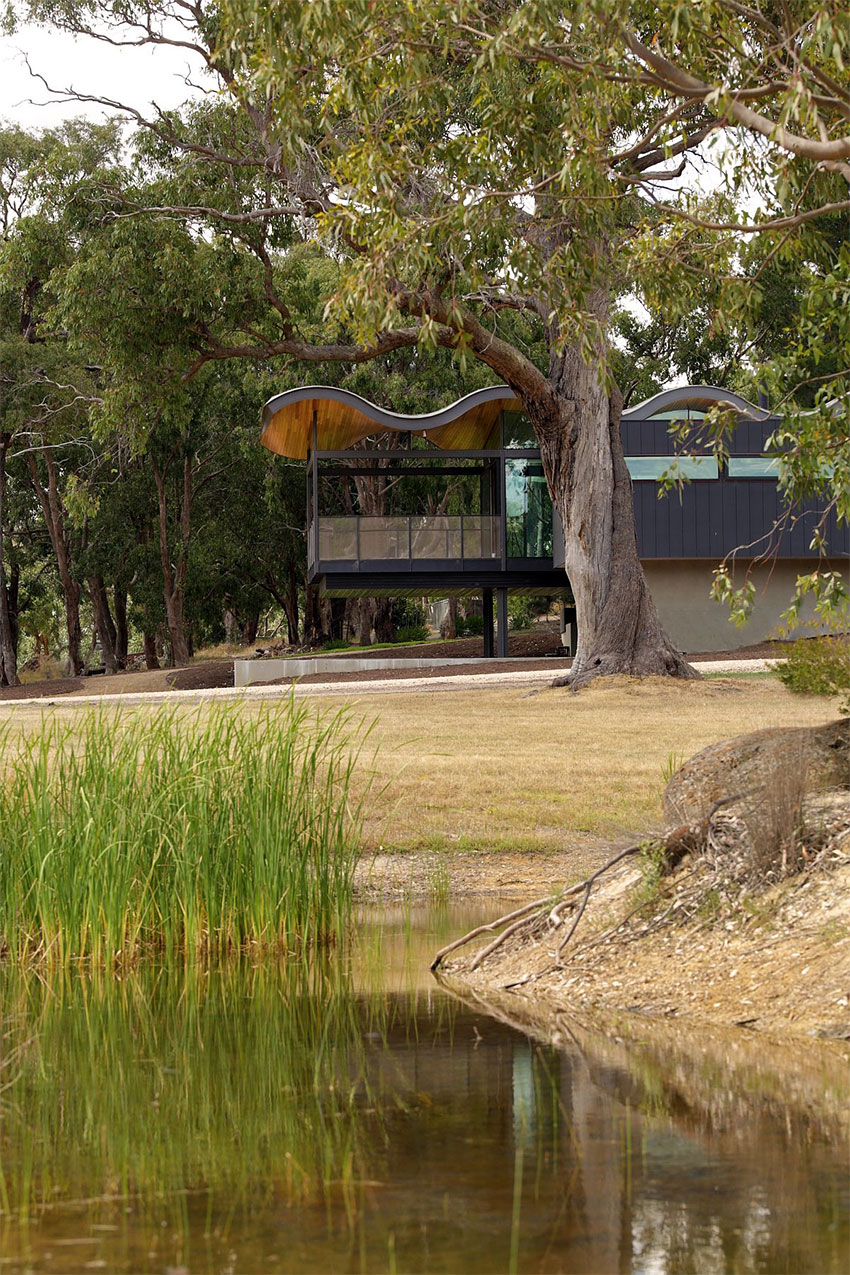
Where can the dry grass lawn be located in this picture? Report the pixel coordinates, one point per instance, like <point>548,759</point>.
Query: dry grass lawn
<point>501,769</point>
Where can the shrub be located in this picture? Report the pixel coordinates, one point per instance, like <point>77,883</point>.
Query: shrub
<point>470,626</point>
<point>818,666</point>
<point>336,644</point>
<point>520,613</point>
<point>413,633</point>
<point>407,613</point>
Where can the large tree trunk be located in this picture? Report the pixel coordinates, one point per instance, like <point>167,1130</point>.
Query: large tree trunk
<point>54,516</point>
<point>361,615</point>
<point>103,623</point>
<point>582,453</point>
<point>250,628</point>
<point>8,645</point>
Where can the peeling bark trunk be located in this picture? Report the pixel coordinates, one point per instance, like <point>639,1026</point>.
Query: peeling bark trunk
<point>448,629</point>
<point>103,623</point>
<point>51,507</point>
<point>582,454</point>
<point>8,645</point>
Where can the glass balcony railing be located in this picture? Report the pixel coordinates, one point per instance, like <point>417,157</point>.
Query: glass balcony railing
<point>440,538</point>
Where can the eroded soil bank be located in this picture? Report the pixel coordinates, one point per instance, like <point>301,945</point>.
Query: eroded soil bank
<point>739,916</point>
<point>779,963</point>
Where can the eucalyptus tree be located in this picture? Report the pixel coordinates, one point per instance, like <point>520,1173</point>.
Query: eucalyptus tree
<point>447,179</point>
<point>459,159</point>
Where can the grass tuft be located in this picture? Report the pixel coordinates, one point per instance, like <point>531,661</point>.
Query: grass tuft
<point>194,835</point>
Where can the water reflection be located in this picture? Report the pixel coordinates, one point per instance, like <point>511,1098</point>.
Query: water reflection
<point>287,1118</point>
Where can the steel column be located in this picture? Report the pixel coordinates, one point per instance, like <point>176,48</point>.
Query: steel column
<point>502,623</point>
<point>487,600</point>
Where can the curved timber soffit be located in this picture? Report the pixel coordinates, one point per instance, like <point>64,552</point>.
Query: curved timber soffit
<point>344,418</point>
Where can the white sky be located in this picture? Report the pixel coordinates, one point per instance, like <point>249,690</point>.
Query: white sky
<point>133,76</point>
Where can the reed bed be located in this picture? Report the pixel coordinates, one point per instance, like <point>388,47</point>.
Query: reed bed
<point>190,834</point>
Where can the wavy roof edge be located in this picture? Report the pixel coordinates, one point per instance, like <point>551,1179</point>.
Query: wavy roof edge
<point>697,396</point>
<point>345,418</point>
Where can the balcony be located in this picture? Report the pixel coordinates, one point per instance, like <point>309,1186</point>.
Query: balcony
<point>411,543</point>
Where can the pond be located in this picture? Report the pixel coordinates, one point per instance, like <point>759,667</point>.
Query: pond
<point>296,1117</point>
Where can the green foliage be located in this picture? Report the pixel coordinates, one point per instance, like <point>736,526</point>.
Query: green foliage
<point>520,613</point>
<point>195,836</point>
<point>818,666</point>
<point>412,633</point>
<point>407,612</point>
<point>674,763</point>
<point>470,626</point>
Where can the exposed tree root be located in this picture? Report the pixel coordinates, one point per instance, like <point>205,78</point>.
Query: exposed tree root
<point>533,913</point>
<point>727,863</point>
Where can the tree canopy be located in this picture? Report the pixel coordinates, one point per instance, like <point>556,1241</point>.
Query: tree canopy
<point>501,181</point>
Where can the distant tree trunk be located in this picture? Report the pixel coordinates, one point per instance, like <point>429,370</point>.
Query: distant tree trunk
<point>122,635</point>
<point>103,623</point>
<point>448,629</point>
<point>315,630</point>
<point>360,617</point>
<point>8,644</point>
<point>249,628</point>
<point>229,622</point>
<point>51,507</point>
<point>174,578</point>
<point>384,630</point>
<point>151,657</point>
<point>291,605</point>
<point>13,594</point>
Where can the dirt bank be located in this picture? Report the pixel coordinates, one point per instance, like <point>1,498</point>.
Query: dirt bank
<point>779,963</point>
<point>739,918</point>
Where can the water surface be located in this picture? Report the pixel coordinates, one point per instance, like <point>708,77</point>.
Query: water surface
<point>303,1117</point>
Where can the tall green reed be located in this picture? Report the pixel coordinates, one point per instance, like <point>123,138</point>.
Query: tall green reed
<point>193,834</point>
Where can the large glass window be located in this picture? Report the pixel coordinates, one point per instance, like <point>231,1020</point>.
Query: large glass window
<point>753,466</point>
<point>652,468</point>
<point>528,510</point>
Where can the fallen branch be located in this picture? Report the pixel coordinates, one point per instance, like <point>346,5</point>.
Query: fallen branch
<point>533,912</point>
<point>485,929</point>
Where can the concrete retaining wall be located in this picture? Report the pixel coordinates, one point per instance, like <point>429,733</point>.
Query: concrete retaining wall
<point>246,672</point>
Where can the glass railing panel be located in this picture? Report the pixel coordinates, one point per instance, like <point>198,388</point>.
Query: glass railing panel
<point>338,539</point>
<point>436,537</point>
<point>481,536</point>
<point>384,539</point>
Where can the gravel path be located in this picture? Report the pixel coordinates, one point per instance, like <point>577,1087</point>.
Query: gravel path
<point>397,686</point>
